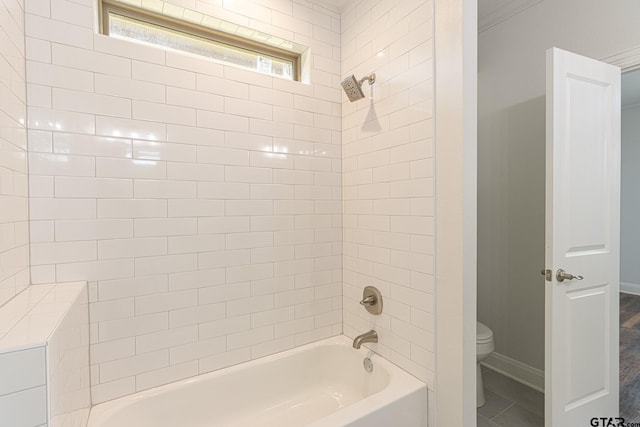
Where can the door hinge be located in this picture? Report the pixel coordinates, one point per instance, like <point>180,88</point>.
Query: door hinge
<point>546,274</point>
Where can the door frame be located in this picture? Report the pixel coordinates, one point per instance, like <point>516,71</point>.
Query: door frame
<point>455,123</point>
<point>455,387</point>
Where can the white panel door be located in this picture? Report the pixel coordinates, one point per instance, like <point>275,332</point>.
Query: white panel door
<point>582,238</point>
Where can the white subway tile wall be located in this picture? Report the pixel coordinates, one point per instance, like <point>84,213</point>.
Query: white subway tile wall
<point>68,368</point>
<point>14,183</point>
<point>202,202</point>
<point>388,178</point>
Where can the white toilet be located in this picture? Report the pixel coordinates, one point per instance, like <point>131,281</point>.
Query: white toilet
<point>484,347</point>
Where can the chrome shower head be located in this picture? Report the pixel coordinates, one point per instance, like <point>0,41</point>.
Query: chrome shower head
<point>353,87</point>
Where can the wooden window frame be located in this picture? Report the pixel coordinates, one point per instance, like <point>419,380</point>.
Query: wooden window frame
<point>195,30</point>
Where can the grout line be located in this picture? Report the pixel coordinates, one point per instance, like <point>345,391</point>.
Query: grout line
<point>503,411</point>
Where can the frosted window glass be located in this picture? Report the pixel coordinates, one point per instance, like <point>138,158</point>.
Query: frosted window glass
<point>130,28</point>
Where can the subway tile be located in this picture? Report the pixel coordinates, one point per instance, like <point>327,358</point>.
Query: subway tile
<point>122,368</point>
<point>198,350</point>
<point>132,208</point>
<point>212,225</point>
<point>152,150</point>
<point>127,128</point>
<point>223,156</point>
<point>131,327</point>
<point>196,208</point>
<point>272,160</point>
<point>126,168</point>
<point>223,190</point>
<point>38,96</point>
<point>58,32</point>
<point>94,270</point>
<point>222,121</point>
<point>251,272</point>
<point>161,189</point>
<point>127,88</point>
<point>196,315</point>
<point>221,86</point>
<point>192,62</point>
<point>90,145</point>
<point>194,172</point>
<point>104,311</point>
<point>112,350</point>
<point>127,49</point>
<point>69,100</point>
<point>220,259</point>
<point>88,60</point>
<point>247,174</point>
<point>148,266</point>
<point>154,73</point>
<point>132,248</point>
<point>129,287</point>
<point>194,135</point>
<point>224,326</point>
<point>110,390</point>
<point>201,278</point>
<point>57,76</point>
<point>60,121</point>
<point>156,112</point>
<point>41,186</point>
<point>61,252</point>
<point>40,141</point>
<point>166,339</point>
<point>222,360</point>
<point>166,375</point>
<point>152,227</point>
<point>248,207</point>
<point>96,229</point>
<point>45,208</point>
<point>37,50</point>
<point>250,337</point>
<point>196,244</point>
<point>194,99</point>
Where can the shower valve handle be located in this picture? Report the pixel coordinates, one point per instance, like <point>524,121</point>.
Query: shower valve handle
<point>369,301</point>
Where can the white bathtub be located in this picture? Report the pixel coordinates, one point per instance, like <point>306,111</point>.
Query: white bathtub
<point>323,384</point>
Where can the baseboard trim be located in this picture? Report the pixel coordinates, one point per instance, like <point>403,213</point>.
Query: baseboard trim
<point>515,370</point>
<point>630,288</point>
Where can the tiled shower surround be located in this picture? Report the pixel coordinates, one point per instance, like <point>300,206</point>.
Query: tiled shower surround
<point>204,203</point>
<point>387,161</point>
<point>14,216</point>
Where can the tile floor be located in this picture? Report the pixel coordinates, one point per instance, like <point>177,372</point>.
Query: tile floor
<point>509,403</point>
<point>630,357</point>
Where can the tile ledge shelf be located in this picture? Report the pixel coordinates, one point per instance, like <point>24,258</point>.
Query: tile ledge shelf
<point>30,318</point>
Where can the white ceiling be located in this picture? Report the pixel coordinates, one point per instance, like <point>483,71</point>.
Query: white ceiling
<point>490,12</point>
<point>631,88</point>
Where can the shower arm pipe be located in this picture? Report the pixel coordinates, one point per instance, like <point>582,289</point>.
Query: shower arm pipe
<point>371,78</point>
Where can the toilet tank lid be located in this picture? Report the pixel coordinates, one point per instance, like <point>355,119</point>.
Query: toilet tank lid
<point>483,332</point>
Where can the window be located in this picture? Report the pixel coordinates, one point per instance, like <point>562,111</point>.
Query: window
<point>128,22</point>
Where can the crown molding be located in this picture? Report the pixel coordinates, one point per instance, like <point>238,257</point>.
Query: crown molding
<point>627,60</point>
<point>504,12</point>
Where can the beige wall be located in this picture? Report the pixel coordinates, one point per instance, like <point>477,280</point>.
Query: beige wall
<point>630,200</point>
<point>511,148</point>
